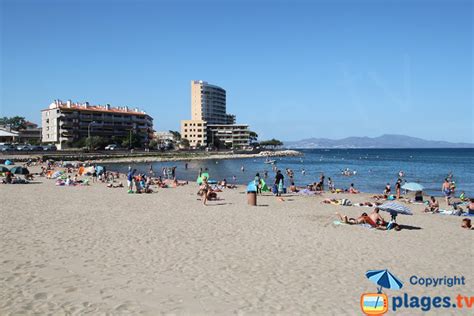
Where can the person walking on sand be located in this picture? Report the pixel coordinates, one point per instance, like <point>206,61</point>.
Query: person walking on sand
<point>204,190</point>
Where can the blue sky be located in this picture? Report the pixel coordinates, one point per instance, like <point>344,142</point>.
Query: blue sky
<point>292,69</point>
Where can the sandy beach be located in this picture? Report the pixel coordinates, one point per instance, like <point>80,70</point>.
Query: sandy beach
<point>96,250</point>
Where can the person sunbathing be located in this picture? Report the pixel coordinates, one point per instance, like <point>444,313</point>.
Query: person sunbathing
<point>377,218</point>
<point>110,185</point>
<point>466,223</point>
<point>363,219</point>
<point>368,204</point>
<point>433,206</point>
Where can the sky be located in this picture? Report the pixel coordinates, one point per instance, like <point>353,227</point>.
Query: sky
<point>291,69</point>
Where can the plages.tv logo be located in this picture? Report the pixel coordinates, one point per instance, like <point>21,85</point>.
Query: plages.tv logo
<point>377,303</point>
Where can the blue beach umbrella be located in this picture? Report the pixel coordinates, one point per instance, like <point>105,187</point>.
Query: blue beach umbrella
<point>412,186</point>
<point>394,209</point>
<point>19,170</point>
<point>384,278</point>
<point>251,187</point>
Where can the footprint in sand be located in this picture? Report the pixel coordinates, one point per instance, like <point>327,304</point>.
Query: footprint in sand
<point>146,290</point>
<point>70,289</point>
<point>40,296</point>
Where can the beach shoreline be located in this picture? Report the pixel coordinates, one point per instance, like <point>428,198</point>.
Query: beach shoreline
<point>145,157</point>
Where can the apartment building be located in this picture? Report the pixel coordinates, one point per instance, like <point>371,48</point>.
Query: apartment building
<point>66,122</point>
<point>209,109</point>
<point>229,135</point>
<point>208,103</point>
<point>195,131</point>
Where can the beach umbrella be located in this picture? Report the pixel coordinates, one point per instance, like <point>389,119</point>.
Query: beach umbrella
<point>19,170</point>
<point>394,209</point>
<point>4,169</point>
<point>384,278</point>
<point>412,186</point>
<point>251,187</point>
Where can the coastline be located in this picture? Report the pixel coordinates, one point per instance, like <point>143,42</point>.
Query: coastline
<point>146,157</point>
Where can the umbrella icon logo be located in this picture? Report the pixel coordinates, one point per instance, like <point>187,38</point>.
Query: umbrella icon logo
<point>377,303</point>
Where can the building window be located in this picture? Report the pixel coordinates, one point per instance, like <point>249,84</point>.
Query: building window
<point>185,124</point>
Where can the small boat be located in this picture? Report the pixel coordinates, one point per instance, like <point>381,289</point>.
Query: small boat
<point>269,161</point>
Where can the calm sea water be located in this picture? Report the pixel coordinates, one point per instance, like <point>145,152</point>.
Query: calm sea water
<point>374,167</point>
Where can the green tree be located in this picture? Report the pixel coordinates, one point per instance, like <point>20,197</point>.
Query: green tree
<point>15,122</point>
<point>271,143</point>
<point>136,141</point>
<point>176,135</point>
<point>153,144</point>
<point>184,142</point>
<point>96,142</point>
<point>253,137</point>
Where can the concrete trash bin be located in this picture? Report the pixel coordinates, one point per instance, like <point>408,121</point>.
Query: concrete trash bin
<point>252,198</point>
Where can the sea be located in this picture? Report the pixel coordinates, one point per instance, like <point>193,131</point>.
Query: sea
<point>370,169</point>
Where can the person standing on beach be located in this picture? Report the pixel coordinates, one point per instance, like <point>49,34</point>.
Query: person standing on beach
<point>258,183</point>
<point>331,185</point>
<point>387,190</point>
<point>279,183</point>
<point>321,181</point>
<point>398,186</point>
<point>446,188</point>
<point>150,171</point>
<point>130,178</point>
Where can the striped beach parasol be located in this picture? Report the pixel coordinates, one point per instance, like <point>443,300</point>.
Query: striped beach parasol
<point>394,209</point>
<point>384,279</point>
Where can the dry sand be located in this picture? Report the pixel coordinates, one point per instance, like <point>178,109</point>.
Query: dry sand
<point>78,250</point>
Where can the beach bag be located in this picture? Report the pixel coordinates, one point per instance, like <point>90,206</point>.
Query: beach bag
<point>275,189</point>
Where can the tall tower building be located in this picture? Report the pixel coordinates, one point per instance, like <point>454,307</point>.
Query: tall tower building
<point>208,103</point>
<point>210,125</point>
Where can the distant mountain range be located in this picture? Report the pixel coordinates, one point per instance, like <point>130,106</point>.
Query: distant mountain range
<point>384,141</point>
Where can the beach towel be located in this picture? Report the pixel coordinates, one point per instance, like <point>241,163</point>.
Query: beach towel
<point>264,186</point>
<point>306,192</point>
<point>199,179</point>
<point>337,223</point>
